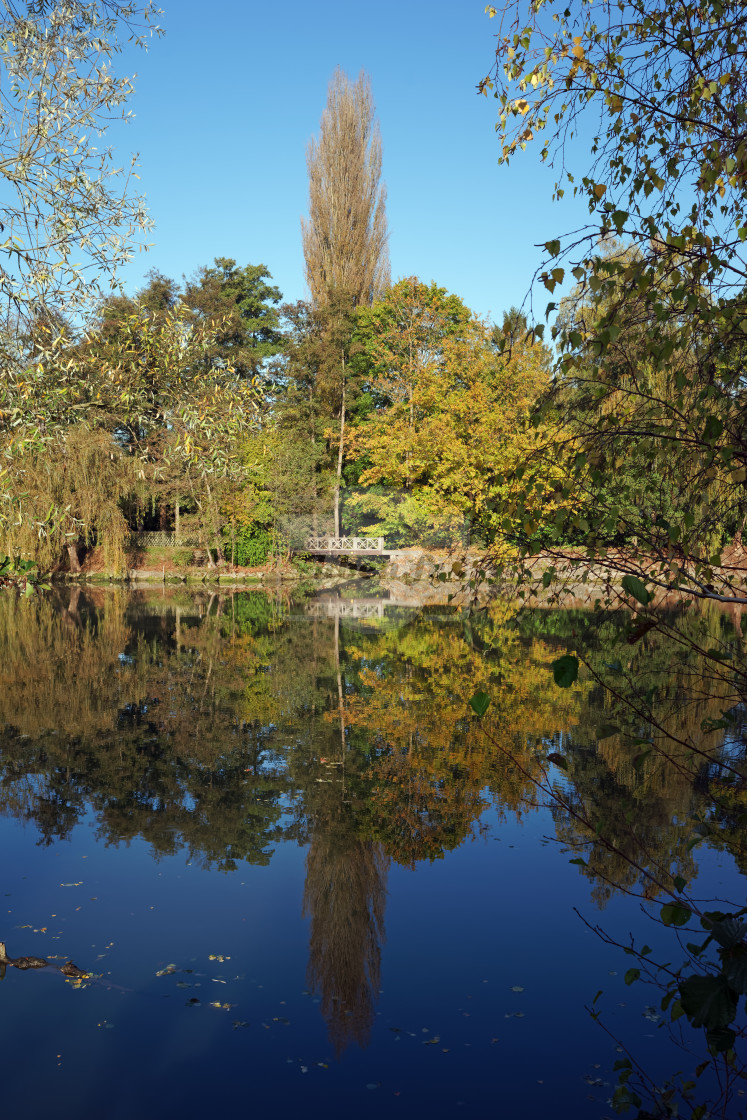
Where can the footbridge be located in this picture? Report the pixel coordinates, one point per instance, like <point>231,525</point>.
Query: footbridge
<point>347,546</point>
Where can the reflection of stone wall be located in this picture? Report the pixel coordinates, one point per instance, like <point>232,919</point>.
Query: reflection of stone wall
<point>416,575</point>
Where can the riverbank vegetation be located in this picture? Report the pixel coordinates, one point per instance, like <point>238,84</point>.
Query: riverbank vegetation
<point>610,436</point>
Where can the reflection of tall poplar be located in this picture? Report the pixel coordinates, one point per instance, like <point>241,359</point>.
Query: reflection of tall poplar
<point>344,897</point>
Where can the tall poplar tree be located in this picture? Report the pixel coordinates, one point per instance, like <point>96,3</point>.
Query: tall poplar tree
<point>345,236</point>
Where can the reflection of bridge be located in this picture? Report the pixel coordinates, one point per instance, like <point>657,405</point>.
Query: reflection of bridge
<point>359,546</point>
<point>362,613</point>
<point>346,608</point>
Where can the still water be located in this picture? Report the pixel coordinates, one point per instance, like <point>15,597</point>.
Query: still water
<point>299,871</point>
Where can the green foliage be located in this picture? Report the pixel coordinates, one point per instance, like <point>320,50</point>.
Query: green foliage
<point>251,547</point>
<point>448,419</point>
<point>243,310</point>
<point>67,217</point>
<point>649,386</point>
<point>479,703</point>
<point>15,572</point>
<point>637,589</point>
<point>565,670</point>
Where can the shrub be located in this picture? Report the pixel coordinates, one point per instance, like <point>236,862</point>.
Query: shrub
<point>251,546</point>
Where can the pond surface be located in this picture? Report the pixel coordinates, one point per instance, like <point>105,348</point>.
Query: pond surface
<point>299,871</point>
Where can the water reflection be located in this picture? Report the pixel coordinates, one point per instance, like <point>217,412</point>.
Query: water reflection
<point>223,724</point>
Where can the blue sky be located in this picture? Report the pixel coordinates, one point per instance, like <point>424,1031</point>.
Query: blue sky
<point>227,100</point>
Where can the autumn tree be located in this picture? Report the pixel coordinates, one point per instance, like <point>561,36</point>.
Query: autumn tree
<point>320,389</point>
<point>662,89</point>
<point>450,414</point>
<point>68,216</point>
<point>661,86</point>
<point>345,236</point>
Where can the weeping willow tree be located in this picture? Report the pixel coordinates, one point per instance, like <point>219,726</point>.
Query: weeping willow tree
<point>67,492</point>
<point>125,417</point>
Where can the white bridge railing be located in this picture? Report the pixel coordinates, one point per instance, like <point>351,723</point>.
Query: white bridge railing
<point>345,544</point>
<point>346,608</point>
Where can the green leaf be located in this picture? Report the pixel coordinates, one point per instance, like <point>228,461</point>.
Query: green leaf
<point>632,975</point>
<point>578,860</point>
<point>696,950</point>
<point>637,589</point>
<point>606,730</point>
<point>679,883</point>
<point>558,759</point>
<point>720,1040</point>
<point>735,971</point>
<point>713,429</point>
<point>565,670</point>
<point>675,914</point>
<point>708,1001</point>
<point>729,932</point>
<point>479,703</point>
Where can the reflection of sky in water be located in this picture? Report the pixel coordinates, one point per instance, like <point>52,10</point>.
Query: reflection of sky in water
<point>484,971</point>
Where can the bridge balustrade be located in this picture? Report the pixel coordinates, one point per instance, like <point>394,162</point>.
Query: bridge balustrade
<point>345,544</point>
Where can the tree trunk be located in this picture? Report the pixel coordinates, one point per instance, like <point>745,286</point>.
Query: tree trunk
<point>72,552</point>
<point>315,511</point>
<point>340,692</point>
<point>212,514</point>
<point>176,518</point>
<point>339,455</point>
